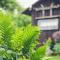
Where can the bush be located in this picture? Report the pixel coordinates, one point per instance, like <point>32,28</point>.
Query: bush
<point>6,28</point>
<point>23,39</point>
<point>39,54</point>
<point>57,48</point>
<point>22,20</point>
<point>30,37</point>
<point>15,41</point>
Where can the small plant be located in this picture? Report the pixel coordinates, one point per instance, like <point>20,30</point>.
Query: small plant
<point>23,39</point>
<point>39,54</point>
<point>30,36</point>
<point>57,48</point>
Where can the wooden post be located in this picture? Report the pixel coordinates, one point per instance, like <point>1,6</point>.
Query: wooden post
<point>50,12</point>
<point>43,13</point>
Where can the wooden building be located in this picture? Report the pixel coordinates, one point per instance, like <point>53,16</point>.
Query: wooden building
<point>46,15</point>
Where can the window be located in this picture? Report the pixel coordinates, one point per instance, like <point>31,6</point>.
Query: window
<point>56,11</point>
<point>39,13</point>
<point>47,12</point>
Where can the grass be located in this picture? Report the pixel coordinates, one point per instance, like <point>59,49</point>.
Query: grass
<point>55,58</point>
<point>50,58</point>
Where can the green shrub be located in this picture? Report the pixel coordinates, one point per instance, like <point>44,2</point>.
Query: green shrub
<point>22,20</point>
<point>39,54</point>
<point>23,38</point>
<point>16,39</point>
<point>6,27</point>
<point>57,48</point>
<point>6,31</point>
<point>30,37</point>
<point>7,54</point>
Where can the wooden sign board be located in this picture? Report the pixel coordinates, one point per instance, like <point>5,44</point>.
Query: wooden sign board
<point>48,24</point>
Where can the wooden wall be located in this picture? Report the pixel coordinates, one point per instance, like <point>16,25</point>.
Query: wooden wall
<point>38,13</point>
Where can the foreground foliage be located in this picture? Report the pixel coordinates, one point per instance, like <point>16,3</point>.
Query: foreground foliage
<point>15,41</point>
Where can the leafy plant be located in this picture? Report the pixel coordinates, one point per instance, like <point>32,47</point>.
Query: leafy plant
<point>57,48</point>
<point>8,4</point>
<point>22,20</point>
<point>6,28</point>
<point>7,54</point>
<point>23,38</point>
<point>39,53</point>
<point>16,42</point>
<point>6,31</point>
<point>30,37</point>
